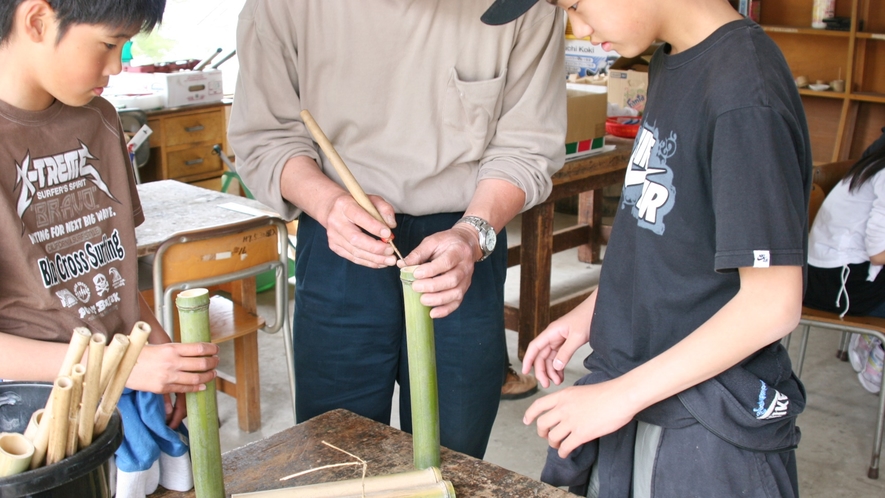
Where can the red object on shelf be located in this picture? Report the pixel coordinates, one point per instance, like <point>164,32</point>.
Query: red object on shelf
<point>622,126</point>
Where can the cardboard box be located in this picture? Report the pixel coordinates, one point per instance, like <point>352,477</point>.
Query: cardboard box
<point>585,59</point>
<point>189,87</point>
<point>586,105</point>
<point>628,83</point>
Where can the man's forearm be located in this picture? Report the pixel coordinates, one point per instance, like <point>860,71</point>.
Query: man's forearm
<point>303,184</point>
<point>496,201</point>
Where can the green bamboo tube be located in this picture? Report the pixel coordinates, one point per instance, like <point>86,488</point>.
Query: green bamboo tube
<point>202,411</point>
<point>422,375</point>
<point>349,487</point>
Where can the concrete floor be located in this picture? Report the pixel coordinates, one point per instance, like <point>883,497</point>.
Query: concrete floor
<point>837,425</point>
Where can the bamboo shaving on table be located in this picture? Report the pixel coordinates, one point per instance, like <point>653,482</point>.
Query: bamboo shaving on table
<point>359,462</point>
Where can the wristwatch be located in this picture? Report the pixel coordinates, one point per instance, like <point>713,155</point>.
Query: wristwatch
<point>487,235</point>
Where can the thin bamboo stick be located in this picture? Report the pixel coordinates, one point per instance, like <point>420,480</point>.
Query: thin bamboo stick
<point>111,361</point>
<point>91,392</point>
<point>422,375</point>
<point>34,424</point>
<point>15,453</point>
<point>442,489</point>
<point>202,410</point>
<point>374,484</point>
<point>353,186</point>
<point>72,442</point>
<point>58,419</point>
<point>137,339</point>
<point>76,348</point>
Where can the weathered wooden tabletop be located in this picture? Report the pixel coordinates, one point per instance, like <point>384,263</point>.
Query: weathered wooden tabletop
<point>260,465</point>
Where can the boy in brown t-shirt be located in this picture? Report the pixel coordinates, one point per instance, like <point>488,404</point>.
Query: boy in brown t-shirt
<point>68,203</point>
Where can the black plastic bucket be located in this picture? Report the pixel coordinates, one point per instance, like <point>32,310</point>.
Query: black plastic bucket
<point>83,475</point>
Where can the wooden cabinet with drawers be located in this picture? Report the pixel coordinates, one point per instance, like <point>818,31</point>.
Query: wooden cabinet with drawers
<point>182,142</point>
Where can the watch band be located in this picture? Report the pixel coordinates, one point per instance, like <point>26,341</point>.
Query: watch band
<point>487,235</point>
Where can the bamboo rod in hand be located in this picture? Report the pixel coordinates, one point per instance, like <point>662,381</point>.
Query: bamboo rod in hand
<point>76,348</point>
<point>72,441</point>
<point>58,419</point>
<point>137,339</point>
<point>202,410</point>
<point>91,392</point>
<point>374,484</point>
<point>15,453</point>
<point>111,360</point>
<point>422,375</point>
<point>353,186</point>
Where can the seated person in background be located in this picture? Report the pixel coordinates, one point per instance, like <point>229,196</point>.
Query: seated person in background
<point>846,251</point>
<point>67,193</point>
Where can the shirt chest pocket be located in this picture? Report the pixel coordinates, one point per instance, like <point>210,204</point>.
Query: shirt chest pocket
<point>470,113</point>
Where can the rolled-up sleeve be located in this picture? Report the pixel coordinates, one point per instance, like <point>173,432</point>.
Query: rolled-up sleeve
<point>529,143</point>
<point>265,128</point>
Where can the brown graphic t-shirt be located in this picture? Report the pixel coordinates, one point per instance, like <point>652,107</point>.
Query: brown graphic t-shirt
<point>68,210</point>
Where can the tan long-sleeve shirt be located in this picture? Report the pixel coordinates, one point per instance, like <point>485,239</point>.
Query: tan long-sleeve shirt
<point>419,97</point>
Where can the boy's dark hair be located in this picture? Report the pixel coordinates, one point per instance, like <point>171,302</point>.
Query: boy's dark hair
<point>872,162</point>
<point>145,14</point>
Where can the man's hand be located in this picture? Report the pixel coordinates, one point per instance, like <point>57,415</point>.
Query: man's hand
<point>348,226</point>
<point>446,268</point>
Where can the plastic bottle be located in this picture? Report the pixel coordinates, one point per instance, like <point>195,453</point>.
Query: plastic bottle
<point>127,54</point>
<point>822,9</point>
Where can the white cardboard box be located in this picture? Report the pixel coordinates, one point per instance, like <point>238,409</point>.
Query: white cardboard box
<point>585,59</point>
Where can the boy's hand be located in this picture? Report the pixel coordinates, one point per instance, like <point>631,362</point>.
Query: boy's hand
<point>553,348</point>
<point>174,368</point>
<point>176,409</point>
<point>578,414</point>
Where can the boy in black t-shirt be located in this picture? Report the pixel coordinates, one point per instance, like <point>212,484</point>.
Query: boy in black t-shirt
<point>690,392</point>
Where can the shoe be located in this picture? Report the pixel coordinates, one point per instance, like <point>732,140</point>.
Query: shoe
<point>517,385</point>
<point>859,349</point>
<point>871,376</point>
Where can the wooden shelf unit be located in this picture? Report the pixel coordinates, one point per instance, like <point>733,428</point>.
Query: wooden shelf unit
<point>842,124</point>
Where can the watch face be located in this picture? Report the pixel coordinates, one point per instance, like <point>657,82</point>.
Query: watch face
<point>491,239</point>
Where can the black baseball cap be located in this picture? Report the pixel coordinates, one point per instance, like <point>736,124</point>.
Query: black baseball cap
<point>504,11</point>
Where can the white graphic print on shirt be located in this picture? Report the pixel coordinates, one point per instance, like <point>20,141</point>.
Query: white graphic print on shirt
<point>648,184</point>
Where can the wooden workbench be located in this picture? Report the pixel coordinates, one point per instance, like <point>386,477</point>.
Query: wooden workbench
<point>260,465</point>
<point>585,178</point>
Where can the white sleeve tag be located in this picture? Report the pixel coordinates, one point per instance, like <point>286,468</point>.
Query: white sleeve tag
<point>761,259</point>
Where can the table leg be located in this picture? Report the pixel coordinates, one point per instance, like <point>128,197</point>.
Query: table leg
<point>590,213</point>
<point>534,284</point>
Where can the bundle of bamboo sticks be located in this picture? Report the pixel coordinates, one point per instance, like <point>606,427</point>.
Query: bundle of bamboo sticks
<point>83,396</point>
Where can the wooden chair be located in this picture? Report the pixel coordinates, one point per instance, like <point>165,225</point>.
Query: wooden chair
<point>230,256</point>
<point>830,175</point>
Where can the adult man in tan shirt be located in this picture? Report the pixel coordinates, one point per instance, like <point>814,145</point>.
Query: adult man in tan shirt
<point>455,127</point>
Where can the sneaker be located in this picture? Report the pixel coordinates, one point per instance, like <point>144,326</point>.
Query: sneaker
<point>871,376</point>
<point>517,385</point>
<point>859,349</point>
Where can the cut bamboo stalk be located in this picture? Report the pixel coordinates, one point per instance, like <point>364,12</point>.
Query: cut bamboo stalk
<point>202,410</point>
<point>353,186</point>
<point>137,339</point>
<point>58,419</point>
<point>15,453</point>
<point>34,424</point>
<point>72,441</point>
<point>442,489</point>
<point>79,341</point>
<point>111,361</point>
<point>422,375</point>
<point>374,484</point>
<point>91,392</point>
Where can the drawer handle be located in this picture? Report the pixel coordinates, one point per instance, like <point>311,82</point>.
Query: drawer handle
<point>192,129</point>
<point>194,162</point>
